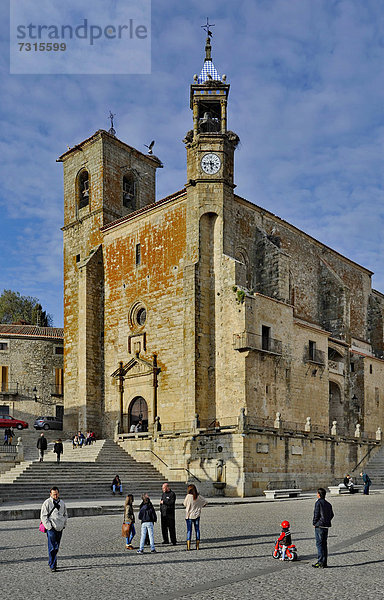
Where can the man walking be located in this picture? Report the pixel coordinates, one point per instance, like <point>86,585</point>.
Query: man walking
<point>322,517</point>
<point>53,516</point>
<point>167,512</point>
<point>367,482</point>
<point>42,445</point>
<point>58,449</point>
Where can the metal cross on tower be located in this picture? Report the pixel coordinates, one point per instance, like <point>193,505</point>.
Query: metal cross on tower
<point>207,26</point>
<point>112,129</point>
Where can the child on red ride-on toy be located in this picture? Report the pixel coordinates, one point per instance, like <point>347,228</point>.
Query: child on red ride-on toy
<point>284,549</point>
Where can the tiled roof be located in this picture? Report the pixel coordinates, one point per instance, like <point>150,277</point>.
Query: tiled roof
<point>32,331</point>
<point>208,69</point>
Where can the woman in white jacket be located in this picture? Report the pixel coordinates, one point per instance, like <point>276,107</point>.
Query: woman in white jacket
<point>193,503</point>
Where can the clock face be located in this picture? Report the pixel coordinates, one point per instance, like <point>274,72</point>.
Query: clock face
<point>210,163</point>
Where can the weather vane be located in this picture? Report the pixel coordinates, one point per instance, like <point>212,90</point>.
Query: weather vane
<point>207,26</point>
<point>112,129</point>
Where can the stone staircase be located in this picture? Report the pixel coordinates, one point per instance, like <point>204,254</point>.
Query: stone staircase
<point>90,476</point>
<point>375,469</point>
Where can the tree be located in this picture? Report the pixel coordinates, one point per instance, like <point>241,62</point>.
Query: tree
<point>14,307</point>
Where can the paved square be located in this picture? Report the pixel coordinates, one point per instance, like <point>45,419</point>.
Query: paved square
<point>235,560</point>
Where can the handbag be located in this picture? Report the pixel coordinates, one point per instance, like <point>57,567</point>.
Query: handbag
<point>41,526</point>
<point>125,529</point>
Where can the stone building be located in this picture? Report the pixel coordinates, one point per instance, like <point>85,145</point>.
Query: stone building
<point>31,371</point>
<point>242,338</point>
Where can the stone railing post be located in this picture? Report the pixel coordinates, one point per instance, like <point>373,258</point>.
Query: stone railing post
<point>117,428</point>
<point>156,428</point>
<point>20,449</point>
<point>379,434</point>
<point>334,428</point>
<point>195,422</point>
<point>357,430</point>
<point>242,421</point>
<point>308,424</point>
<point>277,421</point>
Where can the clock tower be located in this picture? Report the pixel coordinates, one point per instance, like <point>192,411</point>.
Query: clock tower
<point>209,229</point>
<point>210,146</point>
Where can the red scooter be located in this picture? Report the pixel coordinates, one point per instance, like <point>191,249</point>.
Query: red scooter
<point>290,553</point>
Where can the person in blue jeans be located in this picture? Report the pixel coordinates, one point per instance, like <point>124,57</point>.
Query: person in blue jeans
<point>54,517</point>
<point>116,484</point>
<point>193,503</point>
<point>129,518</point>
<point>148,517</point>
<point>322,517</point>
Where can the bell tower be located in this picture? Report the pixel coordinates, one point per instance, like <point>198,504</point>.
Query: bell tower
<point>210,146</point>
<point>210,212</point>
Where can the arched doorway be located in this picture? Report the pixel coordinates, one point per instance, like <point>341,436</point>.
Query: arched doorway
<point>336,407</point>
<point>138,411</point>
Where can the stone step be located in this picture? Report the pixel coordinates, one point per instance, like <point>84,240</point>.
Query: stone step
<point>80,478</point>
<point>70,454</point>
<point>13,473</point>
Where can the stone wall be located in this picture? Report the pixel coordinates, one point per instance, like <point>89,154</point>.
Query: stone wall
<point>107,160</point>
<point>32,363</point>
<point>249,460</point>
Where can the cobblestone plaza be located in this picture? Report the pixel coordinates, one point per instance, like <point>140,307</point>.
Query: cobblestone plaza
<point>235,559</point>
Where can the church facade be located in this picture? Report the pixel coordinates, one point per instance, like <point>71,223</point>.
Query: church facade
<point>247,351</point>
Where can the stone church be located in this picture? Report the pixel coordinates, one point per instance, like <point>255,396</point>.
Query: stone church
<point>249,351</point>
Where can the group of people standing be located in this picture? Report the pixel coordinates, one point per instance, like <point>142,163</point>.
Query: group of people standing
<point>193,503</point>
<point>8,436</point>
<point>54,516</point>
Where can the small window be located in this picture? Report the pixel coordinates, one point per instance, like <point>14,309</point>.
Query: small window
<point>137,316</point>
<point>352,367</point>
<point>265,337</point>
<point>59,350</point>
<point>77,258</point>
<point>138,255</point>
<point>83,189</point>
<point>312,350</point>
<point>3,346</point>
<point>3,379</point>
<point>129,192</point>
<point>141,316</point>
<point>370,369</point>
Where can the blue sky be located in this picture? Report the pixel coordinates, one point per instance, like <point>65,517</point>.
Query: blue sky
<point>307,100</point>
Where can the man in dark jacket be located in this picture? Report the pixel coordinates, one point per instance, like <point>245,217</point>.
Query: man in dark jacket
<point>322,517</point>
<point>42,445</point>
<point>367,482</point>
<point>167,511</point>
<point>58,449</point>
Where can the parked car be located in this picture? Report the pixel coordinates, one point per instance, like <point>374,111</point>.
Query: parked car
<point>48,423</point>
<point>8,421</point>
